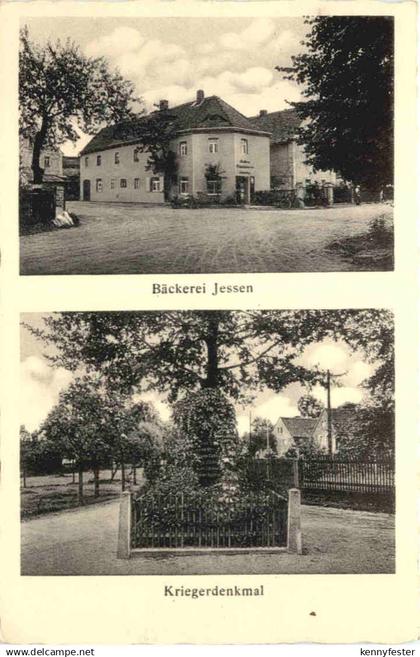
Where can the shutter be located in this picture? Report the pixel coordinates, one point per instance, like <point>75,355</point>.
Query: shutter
<point>148,184</point>
<point>161,183</point>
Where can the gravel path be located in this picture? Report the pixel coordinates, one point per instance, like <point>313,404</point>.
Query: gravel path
<point>133,239</point>
<point>84,542</point>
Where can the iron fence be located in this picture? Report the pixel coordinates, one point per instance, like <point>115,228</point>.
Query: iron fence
<point>180,521</point>
<point>331,474</point>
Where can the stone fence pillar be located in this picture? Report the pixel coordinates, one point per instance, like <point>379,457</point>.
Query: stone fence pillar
<point>124,527</point>
<point>294,534</point>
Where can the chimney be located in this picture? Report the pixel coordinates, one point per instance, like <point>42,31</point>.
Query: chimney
<point>200,96</point>
<point>263,112</point>
<point>163,105</point>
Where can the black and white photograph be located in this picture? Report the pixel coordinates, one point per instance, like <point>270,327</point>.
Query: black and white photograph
<point>188,145</point>
<point>207,442</point>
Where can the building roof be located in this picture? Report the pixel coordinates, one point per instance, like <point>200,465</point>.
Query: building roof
<point>70,161</point>
<point>282,124</point>
<point>53,178</point>
<point>211,113</point>
<point>300,427</point>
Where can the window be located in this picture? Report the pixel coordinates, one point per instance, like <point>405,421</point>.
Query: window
<point>136,183</point>
<point>112,183</point>
<point>155,184</point>
<point>213,145</point>
<point>136,155</point>
<point>214,186</point>
<point>123,183</point>
<point>244,146</point>
<point>98,160</point>
<point>99,184</point>
<point>86,161</point>
<point>183,186</point>
<point>182,147</point>
<point>46,162</point>
<point>117,158</point>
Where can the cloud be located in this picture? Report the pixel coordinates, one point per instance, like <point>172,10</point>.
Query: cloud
<point>339,396</point>
<point>327,355</point>
<point>40,389</point>
<point>205,48</point>
<point>121,40</point>
<point>271,408</point>
<point>257,33</point>
<point>238,66</point>
<point>358,372</point>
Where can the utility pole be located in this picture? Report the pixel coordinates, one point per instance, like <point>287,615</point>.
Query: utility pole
<point>329,419</point>
<point>329,412</point>
<point>267,437</point>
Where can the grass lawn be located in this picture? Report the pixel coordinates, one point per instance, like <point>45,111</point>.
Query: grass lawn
<point>134,239</point>
<point>49,493</point>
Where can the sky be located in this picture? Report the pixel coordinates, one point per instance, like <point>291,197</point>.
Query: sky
<point>41,384</point>
<point>170,58</point>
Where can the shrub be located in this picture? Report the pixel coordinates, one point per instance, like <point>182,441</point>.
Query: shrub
<point>208,419</point>
<point>231,200</point>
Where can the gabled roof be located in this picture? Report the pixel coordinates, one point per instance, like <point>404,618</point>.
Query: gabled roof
<point>282,124</point>
<point>300,427</point>
<point>210,113</point>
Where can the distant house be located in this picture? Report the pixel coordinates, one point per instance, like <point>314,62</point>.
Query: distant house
<point>341,418</point>
<point>211,136</point>
<point>71,173</point>
<point>295,432</point>
<point>287,158</point>
<point>51,160</point>
<point>292,432</point>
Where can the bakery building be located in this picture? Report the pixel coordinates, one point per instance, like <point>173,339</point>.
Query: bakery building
<point>220,154</point>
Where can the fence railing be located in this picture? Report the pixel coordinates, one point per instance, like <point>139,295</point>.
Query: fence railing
<point>332,474</point>
<point>177,522</point>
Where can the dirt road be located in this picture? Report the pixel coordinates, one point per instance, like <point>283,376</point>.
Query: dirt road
<point>133,239</point>
<point>84,542</point>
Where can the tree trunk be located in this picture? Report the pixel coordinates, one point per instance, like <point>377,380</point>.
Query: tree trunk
<point>37,170</point>
<point>212,375</point>
<point>73,475</point>
<point>134,474</point>
<point>96,482</point>
<point>24,476</point>
<point>113,472</point>
<point>81,499</point>
<point>122,475</point>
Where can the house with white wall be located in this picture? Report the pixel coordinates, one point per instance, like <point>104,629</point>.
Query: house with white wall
<point>210,135</point>
<point>287,158</point>
<point>296,432</point>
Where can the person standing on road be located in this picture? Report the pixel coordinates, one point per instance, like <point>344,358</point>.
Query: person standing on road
<point>357,197</point>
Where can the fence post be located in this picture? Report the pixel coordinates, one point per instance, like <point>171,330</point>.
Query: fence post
<point>294,534</point>
<point>296,483</point>
<point>124,527</point>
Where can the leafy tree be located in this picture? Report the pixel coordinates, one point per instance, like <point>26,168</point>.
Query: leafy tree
<point>176,352</point>
<point>143,443</point>
<point>79,425</point>
<point>25,451</point>
<point>156,133</point>
<point>347,73</point>
<point>309,406</point>
<point>367,434</point>
<point>60,89</point>
<point>261,429</point>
